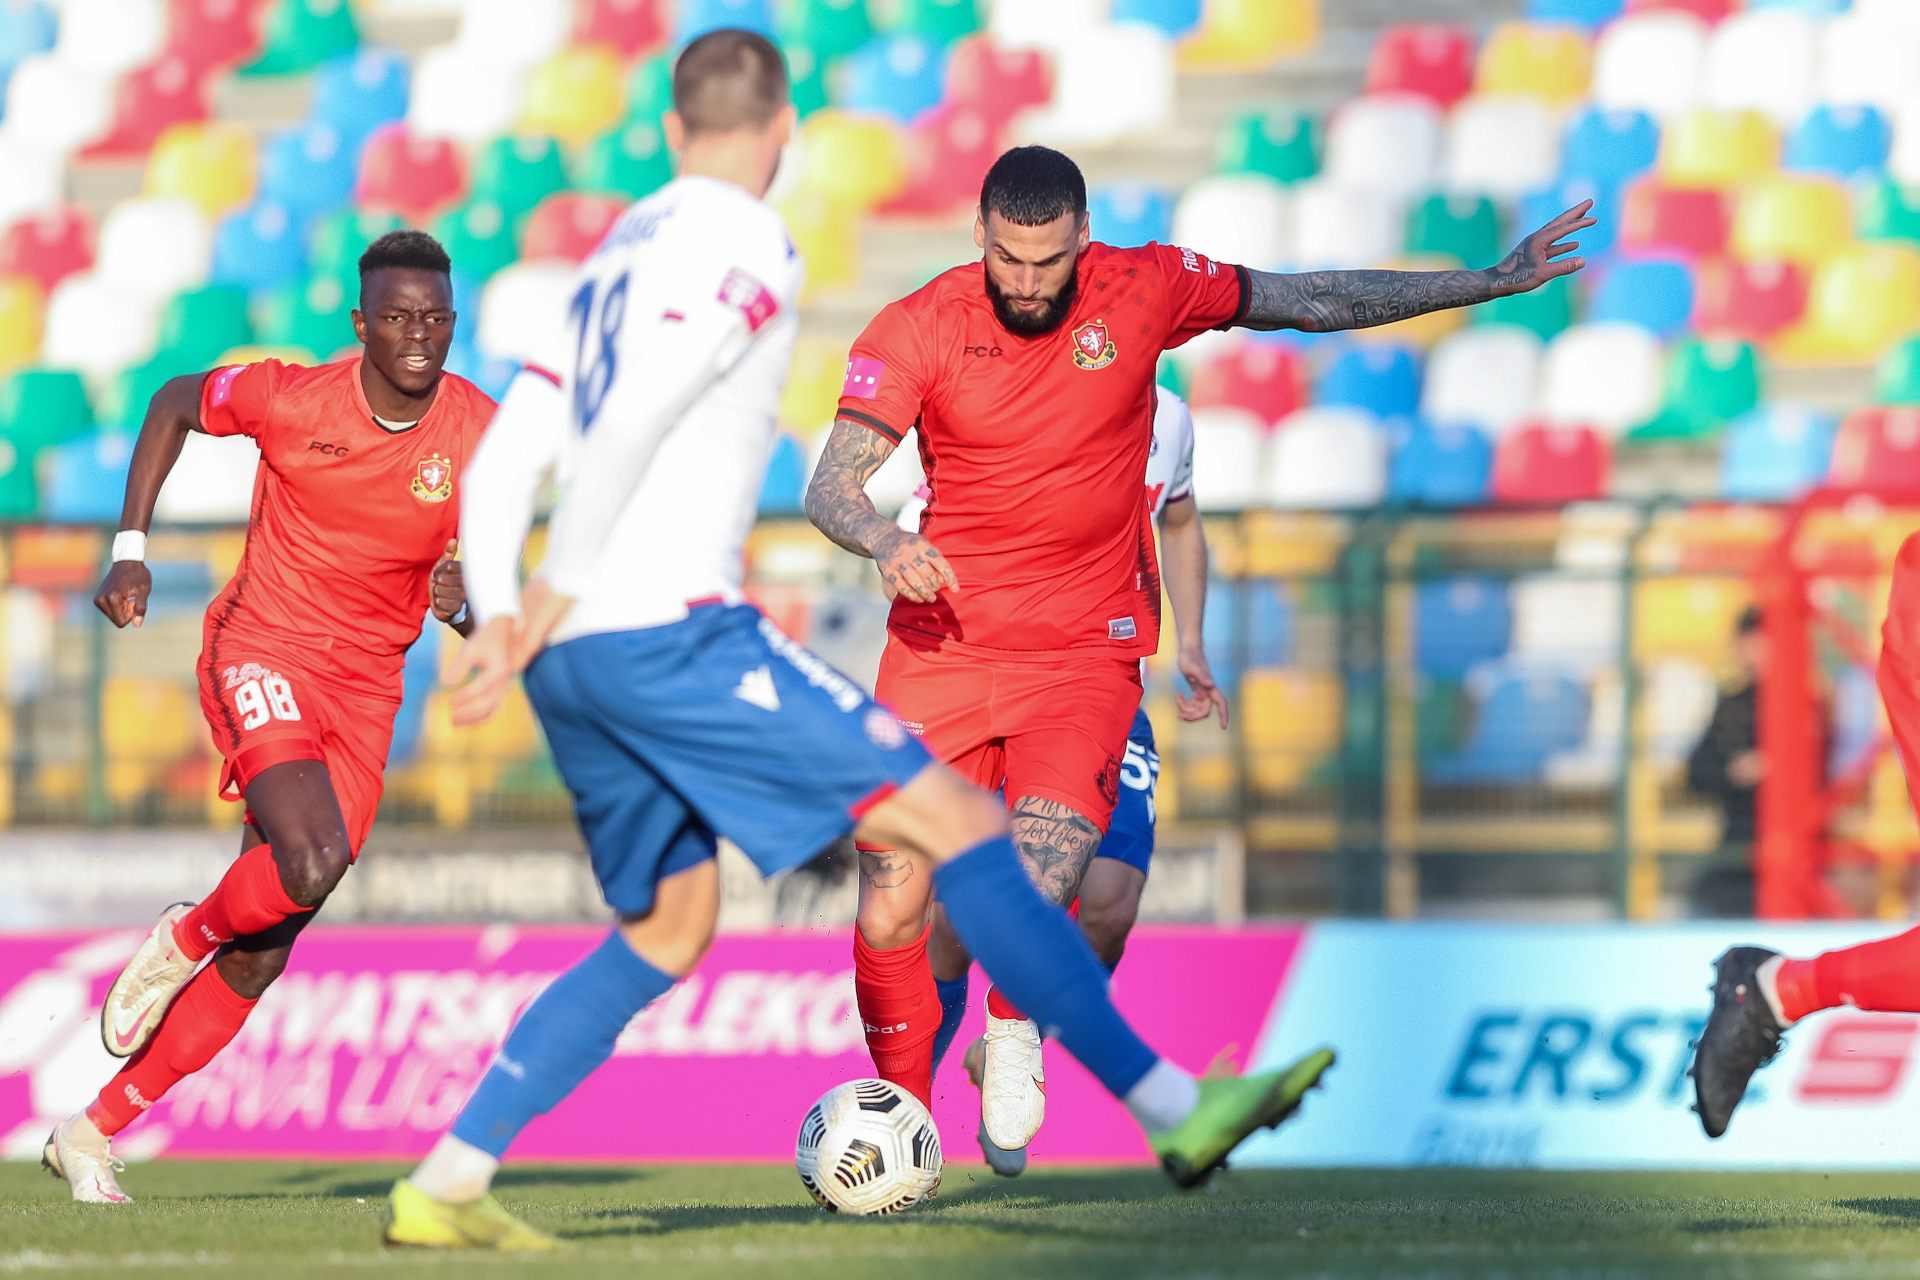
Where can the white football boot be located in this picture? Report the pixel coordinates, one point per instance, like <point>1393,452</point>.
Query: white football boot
<point>83,1155</point>
<point>140,995</point>
<point>1013,1082</point>
<point>1008,1164</point>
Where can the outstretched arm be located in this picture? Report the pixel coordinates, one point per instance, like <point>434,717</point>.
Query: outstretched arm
<point>172,413</point>
<point>1183,567</point>
<point>839,507</point>
<point>1321,301</point>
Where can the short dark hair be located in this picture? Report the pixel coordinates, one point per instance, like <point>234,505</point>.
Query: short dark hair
<point>729,79</point>
<point>410,250</point>
<point>1031,186</point>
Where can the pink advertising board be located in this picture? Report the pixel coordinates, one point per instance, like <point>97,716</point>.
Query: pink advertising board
<point>369,1044</point>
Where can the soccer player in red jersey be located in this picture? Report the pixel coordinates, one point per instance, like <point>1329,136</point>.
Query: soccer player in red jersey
<point>1030,594</point>
<point>349,544</point>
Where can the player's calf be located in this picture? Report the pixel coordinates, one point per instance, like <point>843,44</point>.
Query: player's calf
<point>1109,907</point>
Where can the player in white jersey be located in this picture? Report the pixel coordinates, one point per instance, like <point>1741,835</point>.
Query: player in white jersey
<point>676,712</point>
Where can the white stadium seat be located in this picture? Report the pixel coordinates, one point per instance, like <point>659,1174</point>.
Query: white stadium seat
<point>1651,62</point>
<point>523,307</point>
<point>1055,26</point>
<point>1903,161</point>
<point>36,178</point>
<point>459,95</point>
<point>159,246</point>
<point>56,105</point>
<point>1115,82</point>
<point>1326,459</point>
<point>514,32</point>
<point>1500,146</point>
<point>1482,376</point>
<point>1385,143</point>
<point>1566,621</point>
<point>1601,375</point>
<point>1679,696</point>
<point>111,36</point>
<point>1764,61</point>
<point>27,643</point>
<point>212,482</point>
<point>1228,448</point>
<point>1869,62</point>
<point>1241,218</point>
<point>98,327</point>
<point>1335,227</point>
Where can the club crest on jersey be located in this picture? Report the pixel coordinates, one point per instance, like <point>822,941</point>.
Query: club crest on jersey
<point>1093,346</point>
<point>433,479</point>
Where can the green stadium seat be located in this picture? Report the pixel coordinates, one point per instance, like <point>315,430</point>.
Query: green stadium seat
<point>650,89</point>
<point>1673,426</point>
<point>1712,382</point>
<point>1442,719</point>
<point>339,241</point>
<point>201,323</point>
<point>1896,380</point>
<point>124,403</point>
<point>631,161</point>
<point>942,20</point>
<point>1887,210</point>
<point>299,35</point>
<point>518,173</point>
<point>1545,311</point>
<point>830,28</point>
<point>40,408</point>
<point>1173,377</point>
<point>806,76</point>
<point>479,237</point>
<point>1281,142</point>
<point>1466,228</point>
<point>19,495</point>
<point>316,315</point>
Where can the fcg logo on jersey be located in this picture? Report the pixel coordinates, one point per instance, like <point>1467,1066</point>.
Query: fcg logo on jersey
<point>1093,346</point>
<point>433,479</point>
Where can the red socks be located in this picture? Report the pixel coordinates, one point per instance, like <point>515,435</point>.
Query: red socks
<point>203,1018</point>
<point>248,898</point>
<point>1001,1007</point>
<point>1881,976</point>
<point>900,1009</point>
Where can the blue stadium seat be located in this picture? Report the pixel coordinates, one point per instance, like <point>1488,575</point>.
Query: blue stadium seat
<point>1813,8</point>
<point>901,77</point>
<point>492,374</point>
<point>786,481</point>
<point>419,674</point>
<point>359,93</point>
<point>1175,17</point>
<point>1845,141</point>
<point>1444,465</point>
<point>25,29</point>
<point>1459,623</point>
<point>697,17</point>
<point>83,480</point>
<point>260,247</point>
<point>1130,213</point>
<point>1779,451</point>
<point>181,588</point>
<point>1653,293</point>
<point>1523,721</point>
<point>1542,206</point>
<point>1383,380</point>
<point>1590,14</point>
<point>1265,611</point>
<point>310,170</point>
<point>1609,148</point>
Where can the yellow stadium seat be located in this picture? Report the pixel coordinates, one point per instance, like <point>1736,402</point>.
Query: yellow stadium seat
<point>1889,818</point>
<point>1247,35</point>
<point>146,725</point>
<point>461,761</point>
<point>257,351</point>
<point>1797,217</point>
<point>1685,617</point>
<point>576,95</point>
<point>813,386</point>
<point>827,236</point>
<point>1292,711</point>
<point>23,310</point>
<point>1711,148</point>
<point>212,165</point>
<point>1548,62</point>
<point>850,160</point>
<point>1276,544</point>
<point>1865,298</point>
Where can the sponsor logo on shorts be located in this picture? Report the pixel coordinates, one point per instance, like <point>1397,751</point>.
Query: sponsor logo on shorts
<point>433,478</point>
<point>883,730</point>
<point>234,677</point>
<point>1121,629</point>
<point>914,727</point>
<point>1093,346</point>
<point>845,693</point>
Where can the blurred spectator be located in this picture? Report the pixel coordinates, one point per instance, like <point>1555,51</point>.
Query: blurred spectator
<point>1726,765</point>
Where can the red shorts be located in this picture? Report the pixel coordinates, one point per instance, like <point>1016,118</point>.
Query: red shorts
<point>1053,727</point>
<point>265,712</point>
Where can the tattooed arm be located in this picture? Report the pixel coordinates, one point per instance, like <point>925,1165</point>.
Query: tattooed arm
<point>1319,301</point>
<point>839,507</point>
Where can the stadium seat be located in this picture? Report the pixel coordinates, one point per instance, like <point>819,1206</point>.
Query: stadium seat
<point>1708,147</point>
<point>1588,14</point>
<point>27,27</point>
<point>48,246</point>
<point>458,94</point>
<point>1650,62</point>
<point>213,35</point>
<point>313,315</point>
<point>1383,380</point>
<point>1887,210</point>
<point>1000,82</point>
<point>1503,147</point>
<point>198,324</point>
<point>831,28</point>
<point>359,92</point>
<point>1341,227</point>
<point>1607,148</point>
<point>56,107</point>
<point>785,485</point>
<point>1441,466</point>
<point>479,237</point>
<point>1568,620</point>
<point>1130,213</point>
<point>851,161</point>
<point>98,327</point>
<point>147,100</point>
<point>567,226</point>
<point>1534,464</point>
<point>339,239</point>
<point>631,160</point>
<point>1242,218</point>
<point>309,170</point>
<point>1877,450</point>
<point>1247,35</point>
<point>1867,63</point>
<point>1776,453</point>
<point>1545,311</point>
<point>212,165</point>
<point>1482,376</point>
<point>85,479</point>
<point>212,483</point>
<point>1552,64</point>
<point>1712,381</point>
<point>1658,218</point>
<point>1280,142</point>
<point>1765,62</point>
<point>111,36</point>
<point>259,248</point>
<point>124,401</point>
<point>828,242</point>
<point>1604,375</point>
<point>299,35</point>
<point>1175,18</point>
<point>942,21</point>
<point>521,308</point>
<point>1863,299</point>
<point>1896,379</point>
<point>1751,300</point>
<point>513,33</point>
<point>1523,719</point>
<point>516,173</point>
<point>1847,142</point>
<point>1813,8</point>
<point>1386,144</point>
<point>157,246</point>
<point>1464,228</point>
<point>1115,82</point>
<point>949,150</point>
<point>1264,379</point>
<point>635,27</point>
<point>1800,218</point>
<point>1458,624</point>
<point>1294,718</point>
<point>1656,294</point>
<point>1687,616</point>
<point>43,408</point>
<point>1432,60</point>
<point>575,95</point>
<point>1327,459</point>
<point>1229,450</point>
<point>413,176</point>
<point>697,17</point>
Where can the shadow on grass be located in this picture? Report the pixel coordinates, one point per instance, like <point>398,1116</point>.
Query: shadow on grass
<point>507,1179</point>
<point>1725,1226</point>
<point>1898,1208</point>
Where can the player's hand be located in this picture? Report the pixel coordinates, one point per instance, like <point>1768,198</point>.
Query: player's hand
<point>1205,697</point>
<point>448,584</point>
<point>913,567</point>
<point>123,593</point>
<point>541,609</point>
<point>483,671</point>
<point>1542,256</point>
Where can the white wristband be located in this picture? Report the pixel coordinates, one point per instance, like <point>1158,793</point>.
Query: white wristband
<point>129,544</point>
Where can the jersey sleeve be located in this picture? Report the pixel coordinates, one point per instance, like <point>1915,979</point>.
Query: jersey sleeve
<point>238,400</point>
<point>1201,294</point>
<point>1179,435</point>
<point>887,376</point>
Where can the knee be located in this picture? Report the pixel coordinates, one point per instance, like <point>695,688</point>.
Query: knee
<point>885,930</point>
<point>311,865</point>
<point>250,973</point>
<point>676,932</point>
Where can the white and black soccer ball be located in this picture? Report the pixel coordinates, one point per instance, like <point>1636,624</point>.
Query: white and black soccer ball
<point>868,1147</point>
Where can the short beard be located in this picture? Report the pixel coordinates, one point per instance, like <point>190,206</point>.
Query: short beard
<point>1032,326</point>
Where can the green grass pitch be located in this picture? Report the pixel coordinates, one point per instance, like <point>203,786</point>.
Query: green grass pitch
<point>277,1221</point>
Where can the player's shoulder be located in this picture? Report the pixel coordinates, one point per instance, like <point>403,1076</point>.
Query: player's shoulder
<point>952,292</point>
<point>721,218</point>
<point>472,406</point>
<point>298,385</point>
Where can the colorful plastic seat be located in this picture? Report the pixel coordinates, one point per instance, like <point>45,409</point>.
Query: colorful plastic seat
<point>1765,62</point>
<point>1710,11</point>
<point>900,77</point>
<point>42,408</point>
<point>807,82</point>
<point>315,315</point>
<point>1650,62</point>
<point>1175,18</point>
<point>1130,213</point>
<point>198,324</point>
<point>1606,148</point>
<point>1247,35</point>
<point>1482,376</point>
<point>1264,379</point>
<point>299,35</point>
<point>1713,148</point>
<point>1746,299</point>
<point>1864,62</point>
<point>86,479</point>
<point>26,28</point>
<point>785,484</point>
<point>697,17</point>
<point>575,95</point>
<point>1713,381</point>
<point>1340,228</point>
<point>260,248</point>
<point>461,95</point>
<point>513,34</point>
<point>1601,375</point>
<point>632,161</point>
<point>831,28</point>
<point>111,36</point>
<point>1537,464</point>
<point>412,176</point>
<point>1655,294</point>
<point>212,483</point>
<point>1545,311</point>
<point>1776,453</point>
<point>1814,8</point>
<point>1460,623</point>
<point>359,92</point>
<point>1440,466</point>
<point>997,81</point>
<point>1382,380</point>
<point>1432,60</point>
<point>568,225</point>
<point>1896,379</point>
<point>949,150</point>
<point>1327,459</point>
<point>1877,450</point>
<point>124,402</point>
<point>1503,147</point>
<point>211,165</point>
<point>213,35</point>
<point>94,326</point>
<point>1588,14</point>
<point>1465,228</point>
<point>1659,218</point>
<point>309,170</point>
<point>633,27</point>
<point>1793,217</point>
<point>942,21</point>
<point>1280,142</point>
<point>1385,144</point>
<point>828,242</point>
<point>1864,298</point>
<point>1847,142</point>
<point>339,239</point>
<point>1553,64</point>
<point>517,173</point>
<point>149,99</point>
<point>1524,719</point>
<point>54,107</point>
<point>1114,83</point>
<point>1229,450</point>
<point>479,236</point>
<point>857,162</point>
<point>650,89</point>
<point>48,246</point>
<point>157,245</point>
<point>1887,210</point>
<point>813,385</point>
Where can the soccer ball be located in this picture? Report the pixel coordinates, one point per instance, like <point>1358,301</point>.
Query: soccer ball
<point>868,1147</point>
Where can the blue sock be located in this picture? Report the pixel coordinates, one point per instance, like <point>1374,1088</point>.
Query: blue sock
<point>1041,960</point>
<point>565,1033</point>
<point>953,1008</point>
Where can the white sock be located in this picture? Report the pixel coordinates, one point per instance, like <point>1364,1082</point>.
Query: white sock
<point>1165,1096</point>
<point>455,1171</point>
<point>1767,978</point>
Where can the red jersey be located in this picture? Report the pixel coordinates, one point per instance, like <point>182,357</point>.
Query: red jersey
<point>348,517</point>
<point>1035,448</point>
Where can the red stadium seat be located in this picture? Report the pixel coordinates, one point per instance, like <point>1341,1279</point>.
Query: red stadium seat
<point>1705,10</point>
<point>412,176</point>
<point>1878,450</point>
<point>1538,463</point>
<point>1267,380</point>
<point>569,225</point>
<point>48,246</point>
<point>1432,60</point>
<point>1667,219</point>
<point>212,34</point>
<point>1734,298</point>
<point>949,151</point>
<point>999,82</point>
<point>634,27</point>
<point>166,92</point>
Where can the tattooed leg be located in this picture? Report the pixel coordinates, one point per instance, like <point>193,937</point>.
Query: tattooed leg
<point>1056,843</point>
<point>895,893</point>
